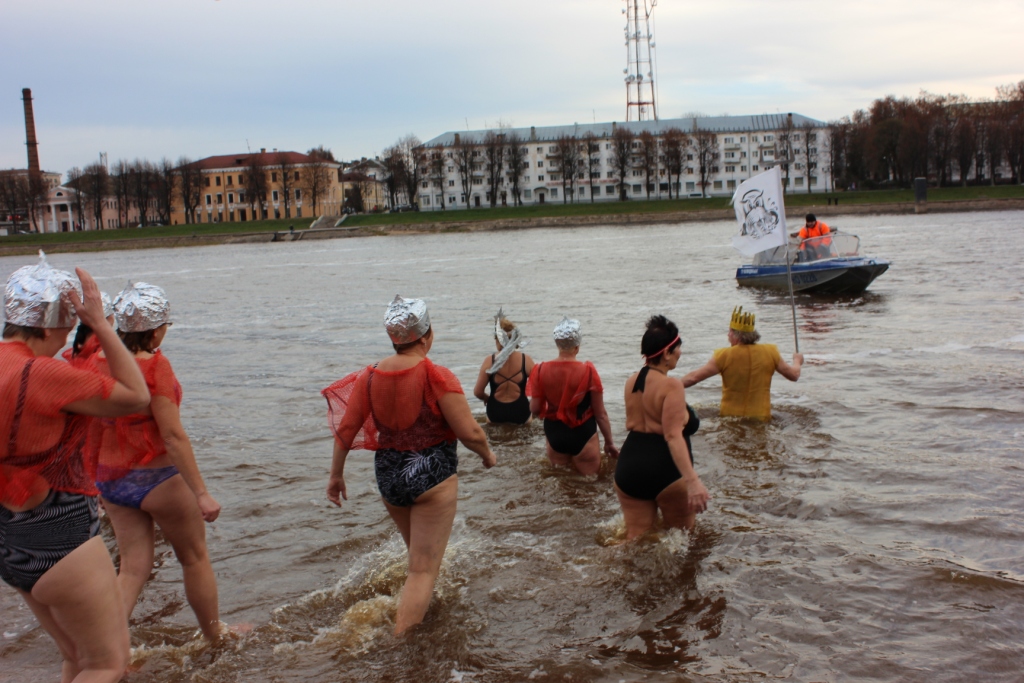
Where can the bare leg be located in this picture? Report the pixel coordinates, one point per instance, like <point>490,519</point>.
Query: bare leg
<point>672,501</point>
<point>589,459</point>
<point>135,540</point>
<point>174,509</point>
<point>639,516</point>
<point>78,603</point>
<point>430,524</point>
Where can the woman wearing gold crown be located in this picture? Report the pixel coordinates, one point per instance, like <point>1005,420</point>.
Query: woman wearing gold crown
<point>410,412</point>
<point>747,368</point>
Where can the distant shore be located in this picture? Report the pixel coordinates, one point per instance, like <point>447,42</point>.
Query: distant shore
<point>451,222</point>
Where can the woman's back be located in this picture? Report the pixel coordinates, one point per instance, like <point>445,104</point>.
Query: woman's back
<point>645,403</point>
<point>509,382</point>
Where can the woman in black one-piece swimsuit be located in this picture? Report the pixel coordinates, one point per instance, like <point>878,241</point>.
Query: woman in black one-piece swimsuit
<point>514,372</point>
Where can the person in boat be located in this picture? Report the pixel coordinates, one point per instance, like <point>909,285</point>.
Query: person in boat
<point>410,412</point>
<point>506,373</point>
<point>655,468</point>
<point>818,232</point>
<point>568,394</point>
<point>86,344</point>
<point>147,473</point>
<point>50,548</point>
<point>747,368</point>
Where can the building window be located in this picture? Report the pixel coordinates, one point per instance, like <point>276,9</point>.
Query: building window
<point>796,137</point>
<point>769,138</point>
<point>637,189</point>
<point>755,167</point>
<point>730,155</point>
<point>690,187</point>
<point>207,179</point>
<point>753,138</point>
<point>217,181</point>
<point>209,198</point>
<point>451,198</point>
<point>229,183</point>
<point>689,157</point>
<point>611,174</point>
<point>298,195</point>
<point>728,141</point>
<point>583,192</point>
<point>528,194</point>
<point>425,201</point>
<point>799,182</point>
<point>296,176</point>
<point>298,212</point>
<point>241,179</point>
<point>743,138</point>
<point>718,184</point>
<point>231,198</point>
<point>609,189</point>
<point>451,183</point>
<point>273,177</point>
<point>731,184</point>
<point>554,191</point>
<point>220,198</point>
<point>274,197</point>
<point>743,169</point>
<point>540,163</point>
<point>730,169</point>
<point>425,184</point>
<point>540,179</point>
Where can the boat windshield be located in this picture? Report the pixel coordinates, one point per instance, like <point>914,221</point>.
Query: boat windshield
<point>834,245</point>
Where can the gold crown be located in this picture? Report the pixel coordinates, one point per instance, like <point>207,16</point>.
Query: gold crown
<point>741,322</point>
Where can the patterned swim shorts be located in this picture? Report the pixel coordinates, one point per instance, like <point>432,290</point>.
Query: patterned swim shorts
<point>403,476</point>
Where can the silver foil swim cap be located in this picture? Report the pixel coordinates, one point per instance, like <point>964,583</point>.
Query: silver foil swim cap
<point>509,343</point>
<point>567,333</point>
<point>37,296</point>
<point>141,307</point>
<point>406,320</point>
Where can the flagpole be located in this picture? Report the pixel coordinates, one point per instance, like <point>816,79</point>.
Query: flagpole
<point>792,299</point>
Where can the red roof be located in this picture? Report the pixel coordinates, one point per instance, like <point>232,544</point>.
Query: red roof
<point>267,159</point>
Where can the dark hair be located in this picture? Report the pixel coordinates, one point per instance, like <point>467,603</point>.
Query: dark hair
<point>810,217</point>
<point>82,335</point>
<point>405,347</point>
<point>660,332</point>
<point>138,341</point>
<point>12,330</point>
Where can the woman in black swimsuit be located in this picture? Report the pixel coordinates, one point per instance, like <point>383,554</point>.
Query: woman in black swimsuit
<point>655,467</point>
<point>505,373</point>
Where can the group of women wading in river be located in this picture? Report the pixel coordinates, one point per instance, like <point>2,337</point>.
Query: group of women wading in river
<point>105,421</point>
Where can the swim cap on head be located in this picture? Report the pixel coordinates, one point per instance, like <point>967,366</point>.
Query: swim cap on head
<point>141,307</point>
<point>37,296</point>
<point>406,320</point>
<point>510,343</point>
<point>741,322</point>
<point>567,333</point>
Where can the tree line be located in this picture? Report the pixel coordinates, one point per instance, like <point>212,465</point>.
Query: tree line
<point>949,139</point>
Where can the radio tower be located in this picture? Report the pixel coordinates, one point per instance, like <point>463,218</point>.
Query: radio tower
<point>640,105</point>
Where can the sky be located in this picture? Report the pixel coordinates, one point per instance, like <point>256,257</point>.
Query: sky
<point>172,78</point>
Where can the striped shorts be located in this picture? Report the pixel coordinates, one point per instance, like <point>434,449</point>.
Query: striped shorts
<point>31,542</point>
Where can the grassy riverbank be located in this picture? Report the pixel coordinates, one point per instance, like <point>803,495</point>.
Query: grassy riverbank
<point>543,215</point>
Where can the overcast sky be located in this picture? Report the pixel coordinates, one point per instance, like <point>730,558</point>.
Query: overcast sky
<point>155,78</point>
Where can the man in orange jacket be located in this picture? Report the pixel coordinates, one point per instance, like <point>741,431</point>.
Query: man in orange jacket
<point>818,248</point>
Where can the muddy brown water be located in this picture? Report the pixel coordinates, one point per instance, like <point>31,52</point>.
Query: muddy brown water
<point>872,531</point>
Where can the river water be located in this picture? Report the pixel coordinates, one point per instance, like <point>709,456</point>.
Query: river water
<point>871,531</point>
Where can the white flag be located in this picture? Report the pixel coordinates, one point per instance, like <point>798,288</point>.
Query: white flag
<point>761,213</point>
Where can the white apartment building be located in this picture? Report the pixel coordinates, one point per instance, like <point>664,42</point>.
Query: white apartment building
<point>743,146</point>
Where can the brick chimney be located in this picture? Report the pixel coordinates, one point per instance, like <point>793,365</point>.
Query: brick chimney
<point>30,132</point>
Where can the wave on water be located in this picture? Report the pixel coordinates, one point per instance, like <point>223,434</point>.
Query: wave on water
<point>951,347</point>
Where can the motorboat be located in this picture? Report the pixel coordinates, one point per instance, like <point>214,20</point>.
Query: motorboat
<point>830,264</point>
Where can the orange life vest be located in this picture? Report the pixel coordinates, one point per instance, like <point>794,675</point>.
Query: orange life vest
<point>819,229</point>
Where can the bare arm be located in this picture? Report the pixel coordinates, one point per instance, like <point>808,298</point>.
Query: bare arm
<point>701,374</point>
<point>179,448</point>
<point>130,394</point>
<point>456,413</point>
<point>336,485</point>
<point>790,372</point>
<point>673,417</point>
<point>482,381</point>
<point>603,423</point>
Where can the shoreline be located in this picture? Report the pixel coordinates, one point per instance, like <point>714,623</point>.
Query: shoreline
<point>458,226</point>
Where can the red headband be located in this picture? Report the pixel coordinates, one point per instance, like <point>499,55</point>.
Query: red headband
<point>666,348</point>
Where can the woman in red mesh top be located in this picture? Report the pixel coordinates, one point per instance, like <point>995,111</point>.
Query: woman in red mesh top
<point>86,345</point>
<point>568,394</point>
<point>147,472</point>
<point>50,548</point>
<point>410,412</point>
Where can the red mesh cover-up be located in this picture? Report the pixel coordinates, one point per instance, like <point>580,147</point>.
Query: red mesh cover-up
<point>373,409</point>
<point>40,445</point>
<point>125,443</point>
<point>563,384</point>
<point>89,349</point>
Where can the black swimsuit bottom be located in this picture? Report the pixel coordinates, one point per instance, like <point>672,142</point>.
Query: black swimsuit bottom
<point>512,412</point>
<point>645,467</point>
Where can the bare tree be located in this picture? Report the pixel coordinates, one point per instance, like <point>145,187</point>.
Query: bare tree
<point>122,178</point>
<point>992,133</point>
<point>784,148</point>
<point>1011,98</point>
<point>675,143</point>
<point>704,144</point>
<point>394,162</point>
<point>284,167</point>
<point>463,154</point>
<point>165,181</point>
<point>515,153</point>
<point>437,162</point>
<point>143,187</point>
<point>409,148</point>
<point>97,188</point>
<point>190,184</point>
<point>78,199</point>
<point>592,157</point>
<point>256,185</point>
<point>13,195</point>
<point>648,158</point>
<point>809,151</point>
<point>567,160</point>
<point>494,153</point>
<point>622,157</point>
<point>317,175</point>
<point>965,145</point>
